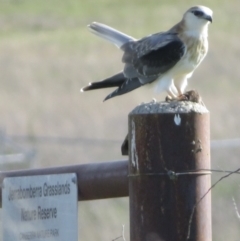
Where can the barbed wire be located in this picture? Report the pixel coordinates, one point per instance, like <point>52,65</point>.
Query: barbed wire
<point>229,173</point>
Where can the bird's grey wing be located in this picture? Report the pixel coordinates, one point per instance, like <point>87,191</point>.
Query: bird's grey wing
<point>152,56</point>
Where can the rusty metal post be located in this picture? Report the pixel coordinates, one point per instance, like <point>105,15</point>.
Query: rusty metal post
<point>95,180</point>
<point>167,143</point>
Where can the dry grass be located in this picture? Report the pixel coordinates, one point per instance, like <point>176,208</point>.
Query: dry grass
<point>47,55</point>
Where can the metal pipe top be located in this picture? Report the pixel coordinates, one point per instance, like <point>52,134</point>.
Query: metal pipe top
<point>169,107</point>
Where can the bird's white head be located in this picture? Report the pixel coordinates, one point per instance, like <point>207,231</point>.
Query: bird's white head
<point>196,19</point>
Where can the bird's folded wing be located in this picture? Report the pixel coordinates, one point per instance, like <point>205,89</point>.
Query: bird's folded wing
<point>152,55</point>
<point>127,86</point>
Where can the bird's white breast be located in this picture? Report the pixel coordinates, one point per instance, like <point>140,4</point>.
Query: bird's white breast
<point>196,50</point>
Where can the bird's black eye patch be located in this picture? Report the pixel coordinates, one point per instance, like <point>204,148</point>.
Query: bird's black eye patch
<point>198,13</point>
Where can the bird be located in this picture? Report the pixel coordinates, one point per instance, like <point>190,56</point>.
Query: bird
<point>165,60</point>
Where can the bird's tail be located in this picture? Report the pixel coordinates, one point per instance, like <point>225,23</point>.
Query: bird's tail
<point>110,34</point>
<point>119,80</point>
<point>113,81</point>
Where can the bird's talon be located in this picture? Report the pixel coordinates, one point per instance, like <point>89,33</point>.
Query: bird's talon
<point>168,98</point>
<point>154,100</point>
<point>182,97</point>
<point>191,95</point>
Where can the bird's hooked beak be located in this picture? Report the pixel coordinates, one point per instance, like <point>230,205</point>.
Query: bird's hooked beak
<point>208,18</point>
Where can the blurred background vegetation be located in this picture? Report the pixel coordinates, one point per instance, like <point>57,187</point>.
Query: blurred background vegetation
<point>47,55</point>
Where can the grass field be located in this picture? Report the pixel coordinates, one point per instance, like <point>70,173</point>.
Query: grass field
<point>47,55</point>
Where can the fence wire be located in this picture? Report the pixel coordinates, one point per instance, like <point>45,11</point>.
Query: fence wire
<point>225,143</point>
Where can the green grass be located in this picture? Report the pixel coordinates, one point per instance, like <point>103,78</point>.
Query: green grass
<point>34,15</point>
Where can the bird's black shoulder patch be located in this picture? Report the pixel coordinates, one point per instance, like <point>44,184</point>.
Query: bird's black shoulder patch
<point>160,60</point>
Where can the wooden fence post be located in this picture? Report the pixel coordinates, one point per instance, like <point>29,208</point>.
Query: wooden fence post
<point>169,150</point>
